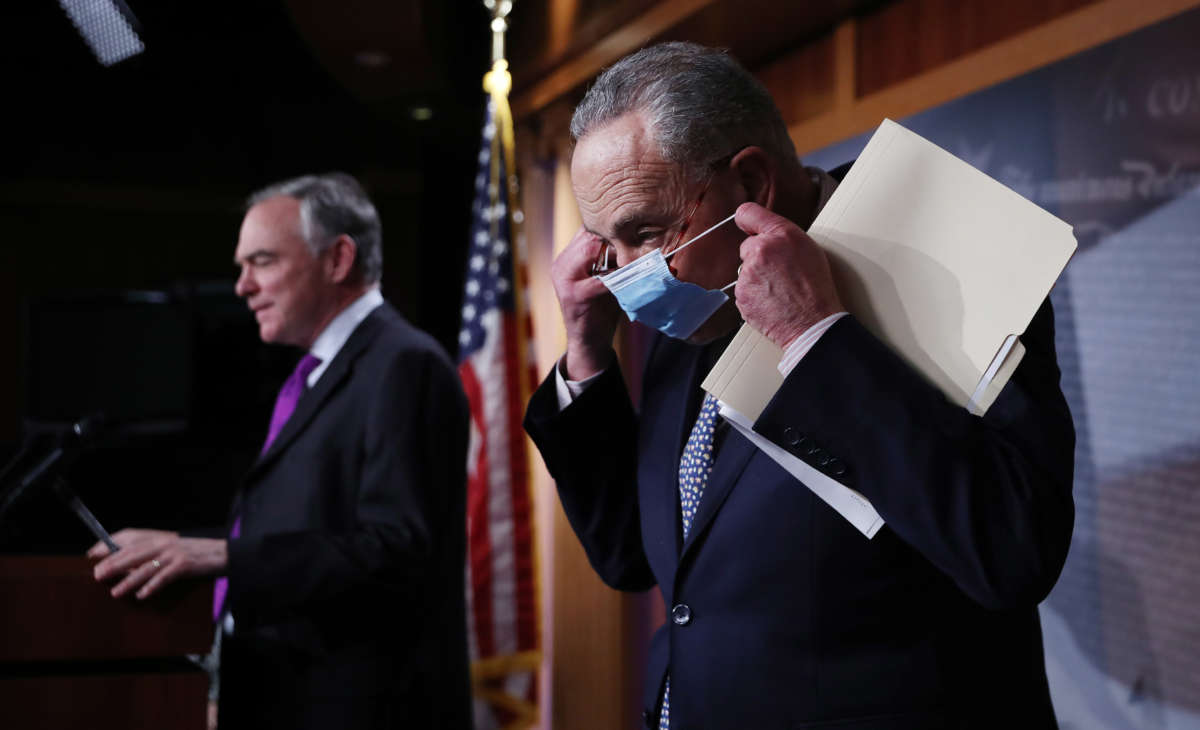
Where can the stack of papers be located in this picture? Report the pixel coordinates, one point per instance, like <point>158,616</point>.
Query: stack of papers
<point>938,260</point>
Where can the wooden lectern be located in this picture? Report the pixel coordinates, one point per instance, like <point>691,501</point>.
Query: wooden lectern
<point>71,656</point>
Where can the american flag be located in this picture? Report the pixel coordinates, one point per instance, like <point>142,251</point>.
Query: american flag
<point>498,374</point>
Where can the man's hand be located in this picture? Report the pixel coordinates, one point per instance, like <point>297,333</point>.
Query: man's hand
<point>151,559</point>
<point>590,311</point>
<point>784,285</point>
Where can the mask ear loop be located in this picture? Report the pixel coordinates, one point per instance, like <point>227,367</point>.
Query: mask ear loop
<point>730,284</point>
<point>707,231</point>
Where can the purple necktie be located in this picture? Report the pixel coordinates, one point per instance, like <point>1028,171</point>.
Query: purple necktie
<point>285,403</point>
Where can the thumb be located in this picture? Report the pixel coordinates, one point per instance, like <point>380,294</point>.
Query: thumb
<point>754,219</point>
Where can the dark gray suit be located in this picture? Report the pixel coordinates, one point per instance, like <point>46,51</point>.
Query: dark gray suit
<point>347,581</point>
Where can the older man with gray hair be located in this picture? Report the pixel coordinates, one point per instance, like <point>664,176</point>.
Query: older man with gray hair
<point>340,595</point>
<point>779,614</point>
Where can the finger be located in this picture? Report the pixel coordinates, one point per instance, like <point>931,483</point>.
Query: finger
<point>581,253</point>
<point>584,238</point>
<point>123,539</point>
<point>751,255</point>
<point>101,549</point>
<point>590,288</point>
<point>125,560</point>
<point>134,579</point>
<point>125,536</point>
<point>754,219</point>
<point>161,577</point>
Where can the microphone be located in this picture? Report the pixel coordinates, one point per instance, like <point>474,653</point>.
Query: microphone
<point>71,444</point>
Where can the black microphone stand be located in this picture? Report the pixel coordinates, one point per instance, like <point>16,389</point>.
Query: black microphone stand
<point>74,442</point>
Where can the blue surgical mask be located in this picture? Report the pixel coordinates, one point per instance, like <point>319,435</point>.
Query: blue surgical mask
<point>649,293</point>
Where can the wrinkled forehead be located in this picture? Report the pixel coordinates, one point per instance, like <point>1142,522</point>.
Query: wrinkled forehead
<point>618,174</point>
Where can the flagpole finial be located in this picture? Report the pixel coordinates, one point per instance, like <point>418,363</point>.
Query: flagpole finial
<point>500,10</point>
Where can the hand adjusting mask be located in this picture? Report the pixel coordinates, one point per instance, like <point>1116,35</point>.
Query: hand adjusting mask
<point>649,293</point>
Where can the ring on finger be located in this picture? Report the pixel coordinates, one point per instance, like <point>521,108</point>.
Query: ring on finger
<point>156,564</point>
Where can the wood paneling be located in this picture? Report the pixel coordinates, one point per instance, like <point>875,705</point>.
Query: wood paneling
<point>53,610</point>
<point>755,31</point>
<point>71,656</point>
<point>760,31</point>
<point>594,660</point>
<point>106,702</point>
<point>804,82</point>
<point>628,37</point>
<point>904,39</point>
<point>1043,44</point>
<point>543,34</point>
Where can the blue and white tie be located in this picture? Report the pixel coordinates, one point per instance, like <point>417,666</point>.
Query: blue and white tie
<point>694,468</point>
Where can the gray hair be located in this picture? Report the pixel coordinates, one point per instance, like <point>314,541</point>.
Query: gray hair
<point>331,205</point>
<point>701,105</point>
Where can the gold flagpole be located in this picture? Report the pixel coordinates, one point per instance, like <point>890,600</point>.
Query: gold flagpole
<point>497,83</point>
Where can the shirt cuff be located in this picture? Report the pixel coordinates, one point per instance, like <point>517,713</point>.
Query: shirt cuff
<point>799,347</point>
<point>569,390</point>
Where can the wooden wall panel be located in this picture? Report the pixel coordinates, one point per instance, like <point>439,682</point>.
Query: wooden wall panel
<point>803,82</point>
<point>904,39</point>
<point>1048,41</point>
<point>760,31</point>
<point>756,31</point>
<point>597,668</point>
<point>105,702</point>
<point>543,34</point>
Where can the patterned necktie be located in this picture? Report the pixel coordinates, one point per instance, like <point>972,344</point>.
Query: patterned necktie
<point>285,403</point>
<point>694,469</point>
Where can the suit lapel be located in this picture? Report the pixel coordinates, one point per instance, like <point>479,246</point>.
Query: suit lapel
<point>731,461</point>
<point>669,375</point>
<point>685,401</point>
<point>310,403</point>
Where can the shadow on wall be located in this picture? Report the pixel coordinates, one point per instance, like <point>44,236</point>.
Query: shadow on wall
<point>1132,659</point>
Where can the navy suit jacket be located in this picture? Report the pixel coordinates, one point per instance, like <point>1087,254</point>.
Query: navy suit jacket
<point>346,582</point>
<point>780,614</point>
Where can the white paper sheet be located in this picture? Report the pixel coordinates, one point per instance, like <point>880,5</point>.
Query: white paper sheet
<point>847,502</point>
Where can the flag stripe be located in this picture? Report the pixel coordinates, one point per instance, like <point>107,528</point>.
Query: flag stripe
<point>478,544</point>
<point>497,371</point>
<point>526,628</point>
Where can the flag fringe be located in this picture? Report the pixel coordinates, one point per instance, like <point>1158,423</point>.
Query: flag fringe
<point>499,666</point>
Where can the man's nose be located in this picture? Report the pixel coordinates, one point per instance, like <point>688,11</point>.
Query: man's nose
<point>245,285</point>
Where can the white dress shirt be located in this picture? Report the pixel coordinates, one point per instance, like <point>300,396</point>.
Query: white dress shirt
<point>334,336</point>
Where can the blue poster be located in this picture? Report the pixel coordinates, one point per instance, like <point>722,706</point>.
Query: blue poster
<point>1109,140</point>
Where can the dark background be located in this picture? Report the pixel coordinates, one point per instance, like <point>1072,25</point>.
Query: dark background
<point>131,179</point>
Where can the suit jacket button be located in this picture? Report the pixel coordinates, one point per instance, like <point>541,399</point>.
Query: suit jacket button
<point>836,467</point>
<point>647,718</point>
<point>792,437</point>
<point>681,614</point>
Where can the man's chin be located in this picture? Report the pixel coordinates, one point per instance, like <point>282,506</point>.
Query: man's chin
<point>268,334</point>
<point>721,323</point>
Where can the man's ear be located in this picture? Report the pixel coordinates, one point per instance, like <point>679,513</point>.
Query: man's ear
<point>340,257</point>
<point>757,173</point>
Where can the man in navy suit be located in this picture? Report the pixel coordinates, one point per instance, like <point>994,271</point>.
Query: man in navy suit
<point>779,613</point>
<point>341,594</point>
